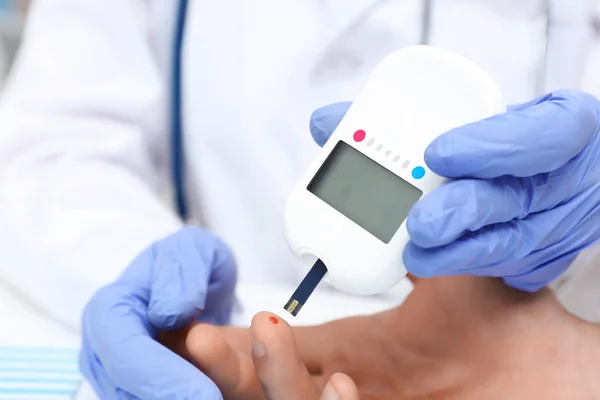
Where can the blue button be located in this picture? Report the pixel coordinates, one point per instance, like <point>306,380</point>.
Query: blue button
<point>418,172</point>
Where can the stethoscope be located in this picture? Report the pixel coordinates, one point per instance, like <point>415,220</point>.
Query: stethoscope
<point>177,156</point>
<point>177,151</point>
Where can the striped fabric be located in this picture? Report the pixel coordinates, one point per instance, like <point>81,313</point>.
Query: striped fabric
<point>36,373</point>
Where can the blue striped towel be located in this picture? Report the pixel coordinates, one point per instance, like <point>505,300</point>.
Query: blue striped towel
<point>36,373</point>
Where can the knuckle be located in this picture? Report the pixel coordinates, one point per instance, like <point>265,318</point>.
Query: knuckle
<point>224,256</point>
<point>192,247</point>
<point>584,106</point>
<point>191,231</point>
<point>188,234</point>
<point>206,343</point>
<point>102,300</point>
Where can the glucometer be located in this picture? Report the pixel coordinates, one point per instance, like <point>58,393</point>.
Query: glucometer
<point>347,215</point>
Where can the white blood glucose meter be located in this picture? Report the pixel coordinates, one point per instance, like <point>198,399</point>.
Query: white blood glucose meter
<point>346,216</point>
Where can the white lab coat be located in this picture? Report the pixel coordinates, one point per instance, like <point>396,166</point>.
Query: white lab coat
<point>84,121</point>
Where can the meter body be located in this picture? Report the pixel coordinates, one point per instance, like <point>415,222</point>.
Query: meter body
<point>349,209</point>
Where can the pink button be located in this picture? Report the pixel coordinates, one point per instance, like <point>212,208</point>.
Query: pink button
<point>359,135</point>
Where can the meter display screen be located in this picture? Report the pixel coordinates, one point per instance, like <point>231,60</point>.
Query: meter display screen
<point>362,190</point>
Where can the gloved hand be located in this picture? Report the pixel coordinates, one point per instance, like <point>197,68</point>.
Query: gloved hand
<point>189,275</point>
<point>525,198</point>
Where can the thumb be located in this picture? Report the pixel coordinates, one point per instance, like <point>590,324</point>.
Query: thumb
<point>538,137</point>
<point>324,120</point>
<point>276,360</point>
<point>188,266</point>
<point>340,387</point>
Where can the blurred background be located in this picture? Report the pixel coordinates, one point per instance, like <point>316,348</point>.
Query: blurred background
<point>12,17</point>
<point>14,12</point>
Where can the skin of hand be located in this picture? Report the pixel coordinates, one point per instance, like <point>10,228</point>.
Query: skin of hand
<point>465,337</point>
<point>262,362</point>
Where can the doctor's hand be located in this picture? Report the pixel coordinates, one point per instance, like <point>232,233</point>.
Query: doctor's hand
<point>187,276</point>
<point>525,195</point>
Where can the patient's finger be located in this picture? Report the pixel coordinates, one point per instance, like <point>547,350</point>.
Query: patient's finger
<point>175,341</point>
<point>230,370</point>
<point>311,341</point>
<point>276,361</point>
<point>340,387</point>
<point>413,279</point>
<point>239,339</point>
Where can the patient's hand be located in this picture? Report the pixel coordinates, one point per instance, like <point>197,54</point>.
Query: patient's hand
<point>453,338</point>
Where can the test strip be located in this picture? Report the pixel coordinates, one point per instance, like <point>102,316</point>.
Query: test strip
<point>306,287</point>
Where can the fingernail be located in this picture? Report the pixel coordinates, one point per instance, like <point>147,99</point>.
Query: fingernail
<point>258,349</point>
<point>329,393</point>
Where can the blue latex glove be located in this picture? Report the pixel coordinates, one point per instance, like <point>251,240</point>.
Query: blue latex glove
<point>187,276</point>
<point>526,195</point>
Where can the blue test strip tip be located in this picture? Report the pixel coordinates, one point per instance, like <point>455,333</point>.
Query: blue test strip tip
<point>306,287</point>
